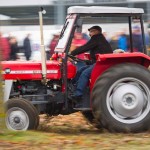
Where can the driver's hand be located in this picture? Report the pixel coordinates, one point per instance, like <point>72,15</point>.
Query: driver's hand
<point>70,59</point>
<point>69,53</point>
<point>88,62</point>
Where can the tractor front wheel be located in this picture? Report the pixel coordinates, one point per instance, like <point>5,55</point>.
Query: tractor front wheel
<point>21,115</point>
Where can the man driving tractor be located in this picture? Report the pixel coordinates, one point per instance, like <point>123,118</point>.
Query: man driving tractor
<point>96,45</point>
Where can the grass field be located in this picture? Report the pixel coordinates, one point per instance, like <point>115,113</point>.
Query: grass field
<point>69,133</point>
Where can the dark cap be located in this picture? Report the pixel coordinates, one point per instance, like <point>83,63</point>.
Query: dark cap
<point>96,28</point>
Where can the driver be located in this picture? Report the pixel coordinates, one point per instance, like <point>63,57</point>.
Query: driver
<point>96,45</point>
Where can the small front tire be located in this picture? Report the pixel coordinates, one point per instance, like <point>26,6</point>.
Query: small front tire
<point>21,115</point>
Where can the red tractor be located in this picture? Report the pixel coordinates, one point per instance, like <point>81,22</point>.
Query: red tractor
<point>118,93</point>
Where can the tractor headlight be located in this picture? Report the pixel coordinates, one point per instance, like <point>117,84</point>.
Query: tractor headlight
<point>7,70</point>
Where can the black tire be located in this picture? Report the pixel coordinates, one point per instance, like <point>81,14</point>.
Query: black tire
<point>88,115</point>
<point>25,115</point>
<point>121,98</point>
<point>37,118</point>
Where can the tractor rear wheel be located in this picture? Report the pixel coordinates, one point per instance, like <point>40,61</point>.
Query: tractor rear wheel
<point>121,98</point>
<point>21,115</point>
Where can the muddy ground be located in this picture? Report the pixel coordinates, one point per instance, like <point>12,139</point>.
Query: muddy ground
<point>71,132</point>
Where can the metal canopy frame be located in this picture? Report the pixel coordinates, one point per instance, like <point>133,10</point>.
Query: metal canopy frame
<point>95,11</point>
<point>104,10</point>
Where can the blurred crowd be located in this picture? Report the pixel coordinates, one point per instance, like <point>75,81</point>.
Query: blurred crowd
<point>9,48</point>
<point>119,40</point>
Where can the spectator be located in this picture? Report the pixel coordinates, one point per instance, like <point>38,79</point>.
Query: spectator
<point>137,39</point>
<point>77,42</point>
<point>4,48</point>
<point>122,41</point>
<point>27,47</point>
<point>53,44</point>
<point>147,43</point>
<point>85,35</point>
<point>14,49</point>
<point>114,41</point>
<point>148,26</point>
<point>106,35</point>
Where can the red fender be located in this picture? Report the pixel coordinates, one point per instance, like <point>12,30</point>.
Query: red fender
<point>106,61</point>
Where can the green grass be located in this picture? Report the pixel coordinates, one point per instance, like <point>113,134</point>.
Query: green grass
<point>72,133</point>
<point>62,139</point>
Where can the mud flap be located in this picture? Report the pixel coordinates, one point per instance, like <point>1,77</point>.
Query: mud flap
<point>86,98</point>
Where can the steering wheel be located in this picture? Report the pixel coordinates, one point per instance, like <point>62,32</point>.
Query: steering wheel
<point>75,58</point>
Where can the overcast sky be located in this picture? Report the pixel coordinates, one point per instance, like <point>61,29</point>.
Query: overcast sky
<point>37,2</point>
<point>26,2</point>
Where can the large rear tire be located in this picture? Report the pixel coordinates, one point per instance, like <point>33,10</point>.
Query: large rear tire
<point>121,98</point>
<point>21,115</point>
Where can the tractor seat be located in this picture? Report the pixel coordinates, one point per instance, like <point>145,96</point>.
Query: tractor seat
<point>118,51</point>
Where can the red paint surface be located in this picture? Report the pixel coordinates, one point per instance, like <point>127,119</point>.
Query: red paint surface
<point>35,67</point>
<point>106,61</point>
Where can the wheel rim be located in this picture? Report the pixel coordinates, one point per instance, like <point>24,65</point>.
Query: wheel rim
<point>17,119</point>
<point>128,100</point>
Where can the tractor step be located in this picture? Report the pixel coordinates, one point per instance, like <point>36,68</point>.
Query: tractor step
<point>82,109</point>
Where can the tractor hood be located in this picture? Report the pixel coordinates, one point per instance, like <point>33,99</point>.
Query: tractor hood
<point>23,70</point>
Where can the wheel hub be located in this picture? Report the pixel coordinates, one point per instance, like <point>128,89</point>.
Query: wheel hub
<point>127,100</point>
<point>17,119</point>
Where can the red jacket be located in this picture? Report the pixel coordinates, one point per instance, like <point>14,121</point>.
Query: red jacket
<point>5,48</point>
<point>77,43</point>
<point>52,46</point>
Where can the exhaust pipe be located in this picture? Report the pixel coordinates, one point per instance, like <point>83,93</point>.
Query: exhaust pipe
<point>43,54</point>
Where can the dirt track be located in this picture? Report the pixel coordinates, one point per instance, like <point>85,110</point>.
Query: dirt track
<point>69,133</point>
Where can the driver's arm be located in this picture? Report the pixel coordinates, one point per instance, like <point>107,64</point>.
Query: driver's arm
<point>88,46</point>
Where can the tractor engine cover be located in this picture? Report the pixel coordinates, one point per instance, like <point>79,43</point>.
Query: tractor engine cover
<point>31,70</point>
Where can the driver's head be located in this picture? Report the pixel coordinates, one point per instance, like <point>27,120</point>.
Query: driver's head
<point>94,30</point>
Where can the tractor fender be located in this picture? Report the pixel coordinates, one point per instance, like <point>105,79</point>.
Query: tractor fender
<point>105,61</point>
